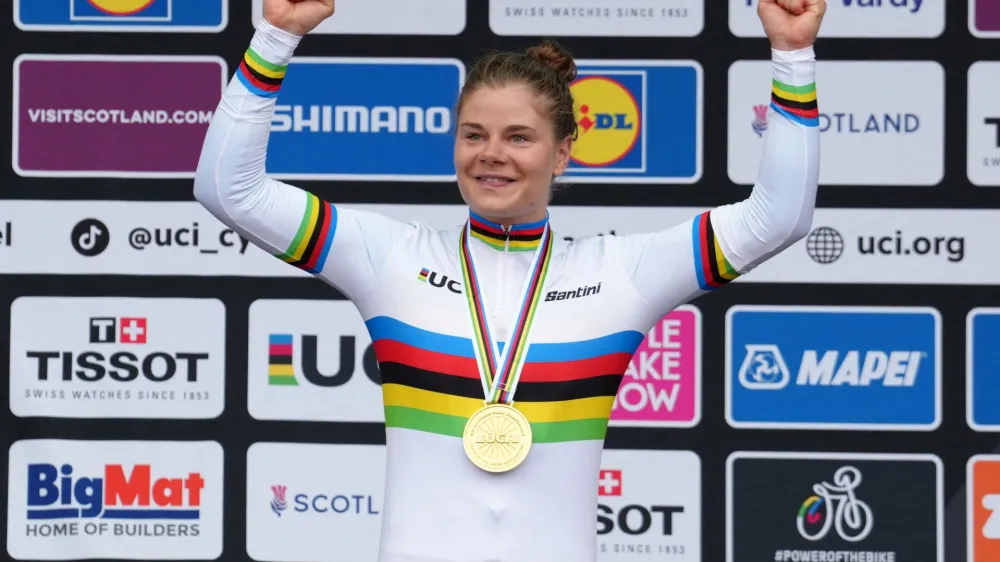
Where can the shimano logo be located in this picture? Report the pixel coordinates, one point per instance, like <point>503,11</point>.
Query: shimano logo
<point>764,368</point>
<point>580,292</point>
<point>360,119</point>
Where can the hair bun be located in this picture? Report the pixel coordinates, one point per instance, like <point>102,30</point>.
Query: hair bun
<point>556,57</point>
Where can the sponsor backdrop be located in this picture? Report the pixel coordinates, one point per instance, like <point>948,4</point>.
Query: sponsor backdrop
<point>177,394</point>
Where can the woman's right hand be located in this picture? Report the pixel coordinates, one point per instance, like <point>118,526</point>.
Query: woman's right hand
<point>297,17</point>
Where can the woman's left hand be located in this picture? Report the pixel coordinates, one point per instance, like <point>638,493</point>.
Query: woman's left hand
<point>791,24</point>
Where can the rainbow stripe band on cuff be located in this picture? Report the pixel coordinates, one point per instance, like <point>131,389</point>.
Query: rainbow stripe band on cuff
<point>259,76</point>
<point>711,267</point>
<point>797,103</point>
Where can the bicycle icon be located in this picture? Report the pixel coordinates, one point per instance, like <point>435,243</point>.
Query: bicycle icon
<point>850,517</point>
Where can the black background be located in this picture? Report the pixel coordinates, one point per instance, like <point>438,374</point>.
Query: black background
<point>713,440</point>
<point>767,495</point>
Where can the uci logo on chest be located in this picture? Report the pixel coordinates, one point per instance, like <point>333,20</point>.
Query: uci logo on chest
<point>435,279</point>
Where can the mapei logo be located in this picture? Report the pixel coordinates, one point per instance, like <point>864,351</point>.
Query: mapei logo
<point>435,279</point>
<point>119,493</point>
<point>869,367</point>
<point>609,120</point>
<point>764,368</point>
<point>124,9</point>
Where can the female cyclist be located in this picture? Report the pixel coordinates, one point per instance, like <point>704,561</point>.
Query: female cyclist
<point>497,388</point>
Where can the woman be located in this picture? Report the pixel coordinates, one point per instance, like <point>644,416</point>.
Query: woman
<point>497,392</point>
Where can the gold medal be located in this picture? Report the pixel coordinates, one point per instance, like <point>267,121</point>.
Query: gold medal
<point>497,438</point>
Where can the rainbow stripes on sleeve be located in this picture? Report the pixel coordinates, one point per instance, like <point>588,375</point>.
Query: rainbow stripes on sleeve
<point>711,266</point>
<point>262,78</point>
<point>311,245</point>
<point>797,103</point>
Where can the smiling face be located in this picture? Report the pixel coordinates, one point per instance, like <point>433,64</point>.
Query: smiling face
<point>507,153</point>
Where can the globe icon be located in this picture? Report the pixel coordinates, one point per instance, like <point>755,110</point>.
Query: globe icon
<point>824,245</point>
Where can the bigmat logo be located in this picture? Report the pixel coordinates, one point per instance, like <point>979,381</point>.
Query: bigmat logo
<point>145,500</point>
<point>641,519</point>
<point>834,507</point>
<point>117,357</point>
<point>305,501</point>
<point>167,16</point>
<point>312,360</point>
<point>627,133</point>
<point>817,367</point>
<point>662,386</point>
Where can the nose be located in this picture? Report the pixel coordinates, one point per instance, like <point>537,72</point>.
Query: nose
<point>492,152</point>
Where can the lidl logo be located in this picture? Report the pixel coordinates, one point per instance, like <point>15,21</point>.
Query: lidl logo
<point>180,16</point>
<point>638,122</point>
<point>609,120</point>
<point>155,8</point>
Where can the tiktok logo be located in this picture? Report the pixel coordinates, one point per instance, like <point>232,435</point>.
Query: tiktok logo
<point>90,237</point>
<point>836,505</point>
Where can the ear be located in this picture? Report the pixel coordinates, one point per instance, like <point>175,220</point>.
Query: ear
<point>563,151</point>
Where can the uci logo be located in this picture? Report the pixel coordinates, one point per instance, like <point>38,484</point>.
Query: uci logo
<point>608,119</point>
<point>121,7</point>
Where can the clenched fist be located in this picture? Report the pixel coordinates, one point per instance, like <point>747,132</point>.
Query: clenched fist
<point>297,17</point>
<point>791,24</point>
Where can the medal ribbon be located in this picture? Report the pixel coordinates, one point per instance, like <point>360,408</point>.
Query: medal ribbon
<point>500,372</point>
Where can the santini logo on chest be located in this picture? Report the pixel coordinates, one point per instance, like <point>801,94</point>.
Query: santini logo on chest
<point>578,293</point>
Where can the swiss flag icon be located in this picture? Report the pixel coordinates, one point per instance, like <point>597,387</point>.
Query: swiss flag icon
<point>132,330</point>
<point>609,483</point>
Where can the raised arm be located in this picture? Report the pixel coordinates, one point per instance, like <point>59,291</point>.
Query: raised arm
<point>675,265</point>
<point>343,247</point>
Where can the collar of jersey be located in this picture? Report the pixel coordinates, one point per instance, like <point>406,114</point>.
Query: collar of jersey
<point>521,237</point>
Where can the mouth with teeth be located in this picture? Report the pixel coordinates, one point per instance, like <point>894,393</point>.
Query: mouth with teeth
<point>493,181</point>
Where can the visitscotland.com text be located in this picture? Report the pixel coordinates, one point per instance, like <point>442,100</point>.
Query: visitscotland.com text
<point>121,116</point>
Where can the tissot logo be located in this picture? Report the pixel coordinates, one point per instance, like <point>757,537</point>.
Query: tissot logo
<point>994,121</point>
<point>155,365</point>
<point>577,293</point>
<point>437,280</point>
<point>117,357</point>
